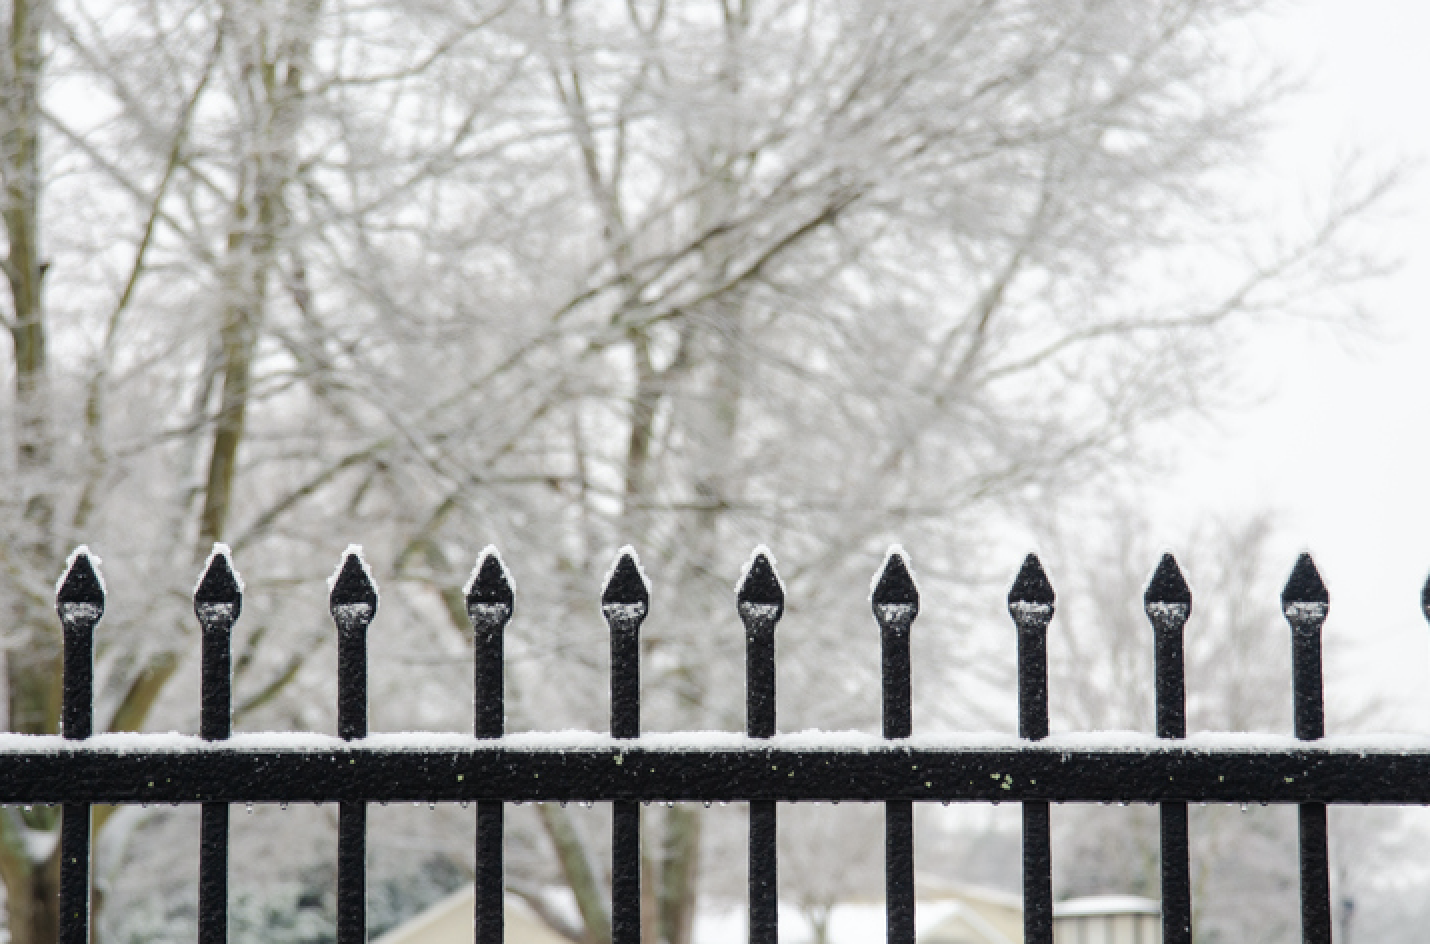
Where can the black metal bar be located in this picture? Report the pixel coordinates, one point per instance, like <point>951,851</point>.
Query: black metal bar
<point>1037,873</point>
<point>1168,603</point>
<point>353,604</point>
<point>1315,874</point>
<point>352,872</point>
<point>760,599</point>
<point>625,601</point>
<point>1348,771</point>
<point>895,601</point>
<point>1030,602</point>
<point>218,600</point>
<point>74,874</point>
<point>490,603</point>
<point>80,604</point>
<point>1305,603</point>
<point>489,912</point>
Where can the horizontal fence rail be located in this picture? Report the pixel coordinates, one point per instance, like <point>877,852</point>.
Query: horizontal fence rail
<point>761,767</point>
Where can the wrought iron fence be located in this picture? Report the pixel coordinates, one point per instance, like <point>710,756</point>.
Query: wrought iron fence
<point>761,768</point>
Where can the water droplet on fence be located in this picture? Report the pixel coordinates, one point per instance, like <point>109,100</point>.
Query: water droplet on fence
<point>707,804</point>
<point>27,807</point>
<point>431,807</point>
<point>947,802</point>
<point>283,807</point>
<point>249,809</point>
<point>724,802</point>
<point>587,804</point>
<point>669,804</point>
<point>1126,803</point>
<point>1243,807</point>
<point>465,804</point>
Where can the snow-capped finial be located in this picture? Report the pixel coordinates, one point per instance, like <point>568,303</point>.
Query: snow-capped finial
<point>895,596</point>
<point>1031,598</point>
<point>489,593</point>
<point>760,594</point>
<point>626,583</point>
<point>1168,600</point>
<point>625,597</point>
<point>352,595</point>
<point>1304,600</point>
<point>218,597</point>
<point>79,597</point>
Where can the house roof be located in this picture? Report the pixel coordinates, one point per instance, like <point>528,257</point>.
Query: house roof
<point>450,921</point>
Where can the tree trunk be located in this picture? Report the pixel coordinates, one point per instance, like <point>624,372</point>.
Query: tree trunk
<point>32,670</point>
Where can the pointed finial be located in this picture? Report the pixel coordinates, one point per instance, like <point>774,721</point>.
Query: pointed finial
<point>625,598</point>
<point>895,595</point>
<point>489,593</point>
<point>760,596</point>
<point>79,597</point>
<point>1168,600</point>
<point>1304,600</point>
<point>1031,598</point>
<point>218,597</point>
<point>352,595</point>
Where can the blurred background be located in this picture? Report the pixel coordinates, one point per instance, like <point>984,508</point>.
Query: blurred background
<point>1098,278</point>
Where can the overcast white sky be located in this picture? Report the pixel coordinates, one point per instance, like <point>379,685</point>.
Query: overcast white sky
<point>1338,446</point>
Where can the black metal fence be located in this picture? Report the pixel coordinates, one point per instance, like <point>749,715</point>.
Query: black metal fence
<point>761,768</point>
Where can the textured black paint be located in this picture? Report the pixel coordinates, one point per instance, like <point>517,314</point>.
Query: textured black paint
<point>74,874</point>
<point>353,603</point>
<point>490,913</point>
<point>899,871</point>
<point>625,872</point>
<point>1030,603</point>
<point>1168,603</point>
<point>759,599</point>
<point>352,873</point>
<point>80,604</point>
<point>213,874</point>
<point>218,600</point>
<point>1037,874</point>
<point>1315,875</point>
<point>1305,603</point>
<point>625,601</point>
<point>63,772</point>
<point>490,604</point>
<point>896,603</point>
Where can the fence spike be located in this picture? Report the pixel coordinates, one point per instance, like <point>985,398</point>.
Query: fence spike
<point>79,597</point>
<point>1167,584</point>
<point>626,590</point>
<point>489,592</point>
<point>895,597</point>
<point>1168,600</point>
<point>1304,599</point>
<point>760,594</point>
<point>352,597</point>
<point>218,596</point>
<point>1031,598</point>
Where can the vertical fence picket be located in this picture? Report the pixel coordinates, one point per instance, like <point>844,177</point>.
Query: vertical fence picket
<point>625,601</point>
<point>490,602</point>
<point>1305,602</point>
<point>760,600</point>
<point>1030,603</point>
<point>1168,603</point>
<point>896,603</point>
<point>80,603</point>
<point>218,600</point>
<point>353,603</point>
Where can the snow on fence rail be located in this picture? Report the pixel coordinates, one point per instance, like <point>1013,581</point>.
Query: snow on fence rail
<point>761,767</point>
